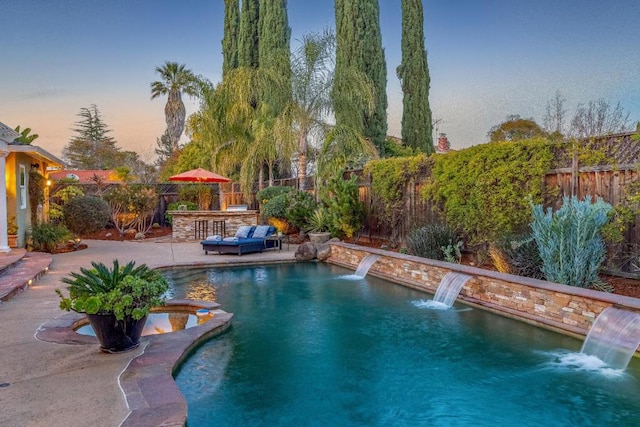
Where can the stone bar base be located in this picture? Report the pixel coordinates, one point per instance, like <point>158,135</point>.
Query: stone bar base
<point>184,228</point>
<point>563,308</point>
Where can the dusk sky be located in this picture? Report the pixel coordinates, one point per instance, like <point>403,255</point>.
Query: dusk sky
<point>488,59</point>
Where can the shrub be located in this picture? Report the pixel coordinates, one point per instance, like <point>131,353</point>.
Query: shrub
<point>569,241</point>
<point>123,291</point>
<point>431,241</point>
<point>199,194</point>
<point>46,236</point>
<point>484,191</point>
<point>341,198</point>
<point>191,206</point>
<point>276,207</point>
<point>263,196</point>
<point>517,255</point>
<point>59,198</point>
<point>85,214</point>
<point>319,221</point>
<point>301,206</point>
<point>132,206</point>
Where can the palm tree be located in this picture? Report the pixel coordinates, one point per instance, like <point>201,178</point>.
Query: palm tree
<point>26,137</point>
<point>175,81</point>
<point>313,81</point>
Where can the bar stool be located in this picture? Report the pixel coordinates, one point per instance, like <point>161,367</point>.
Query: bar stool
<point>201,229</point>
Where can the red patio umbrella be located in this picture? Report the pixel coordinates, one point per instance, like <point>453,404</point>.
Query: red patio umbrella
<point>199,175</point>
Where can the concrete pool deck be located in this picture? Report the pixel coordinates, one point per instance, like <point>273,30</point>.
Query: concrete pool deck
<point>52,384</point>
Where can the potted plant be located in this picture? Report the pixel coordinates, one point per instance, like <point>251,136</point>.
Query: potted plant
<point>318,226</point>
<point>12,232</point>
<point>116,301</point>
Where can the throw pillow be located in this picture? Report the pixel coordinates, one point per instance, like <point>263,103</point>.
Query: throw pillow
<point>243,231</point>
<point>261,231</point>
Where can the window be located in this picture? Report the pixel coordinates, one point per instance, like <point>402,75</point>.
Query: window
<point>23,187</point>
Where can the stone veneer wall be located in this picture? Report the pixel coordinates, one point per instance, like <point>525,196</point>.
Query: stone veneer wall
<point>183,227</point>
<point>559,307</point>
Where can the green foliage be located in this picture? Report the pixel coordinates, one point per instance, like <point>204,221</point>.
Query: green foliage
<point>342,201</point>
<point>517,255</point>
<point>622,218</point>
<point>92,147</point>
<point>45,237</point>
<point>230,39</point>
<point>200,194</point>
<point>173,206</point>
<point>389,180</point>
<point>124,291</point>
<point>413,73</point>
<point>269,193</point>
<point>431,241</point>
<point>516,128</point>
<point>484,191</point>
<point>12,225</point>
<point>359,49</point>
<point>301,206</point>
<point>274,49</point>
<point>59,198</point>
<point>276,207</point>
<point>36,193</point>
<point>319,221</point>
<point>249,32</point>
<point>176,79</point>
<point>393,149</point>
<point>132,206</point>
<point>85,214</point>
<point>569,240</point>
<point>25,138</point>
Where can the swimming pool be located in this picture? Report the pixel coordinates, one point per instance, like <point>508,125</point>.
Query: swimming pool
<point>310,346</point>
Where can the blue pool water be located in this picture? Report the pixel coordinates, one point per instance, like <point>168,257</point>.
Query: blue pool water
<point>311,346</point>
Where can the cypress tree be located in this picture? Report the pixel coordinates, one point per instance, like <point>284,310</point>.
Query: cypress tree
<point>230,39</point>
<point>345,110</point>
<point>274,45</point>
<point>359,45</point>
<point>413,73</point>
<point>248,37</point>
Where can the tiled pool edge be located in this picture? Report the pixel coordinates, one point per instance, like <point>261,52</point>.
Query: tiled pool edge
<point>152,394</point>
<point>562,308</point>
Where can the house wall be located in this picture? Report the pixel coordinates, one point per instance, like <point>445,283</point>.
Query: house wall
<point>551,305</point>
<point>22,215</point>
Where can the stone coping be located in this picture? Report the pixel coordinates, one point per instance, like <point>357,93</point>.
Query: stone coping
<point>147,383</point>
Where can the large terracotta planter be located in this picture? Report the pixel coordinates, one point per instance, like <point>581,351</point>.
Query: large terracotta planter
<point>115,335</point>
<point>12,240</point>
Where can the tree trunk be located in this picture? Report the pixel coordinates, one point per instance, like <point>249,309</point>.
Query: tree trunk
<point>302,161</point>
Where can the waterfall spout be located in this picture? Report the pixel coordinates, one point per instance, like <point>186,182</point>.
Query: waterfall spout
<point>449,288</point>
<point>614,337</point>
<point>365,264</point>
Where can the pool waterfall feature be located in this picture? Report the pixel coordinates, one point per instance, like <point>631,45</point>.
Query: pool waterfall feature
<point>450,287</point>
<point>365,265</point>
<point>553,306</point>
<point>614,337</point>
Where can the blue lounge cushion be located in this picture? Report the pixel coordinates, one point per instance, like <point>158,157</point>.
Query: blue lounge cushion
<point>261,231</point>
<point>230,239</point>
<point>244,231</point>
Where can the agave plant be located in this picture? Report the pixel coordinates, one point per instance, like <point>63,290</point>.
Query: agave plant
<point>319,221</point>
<point>123,291</point>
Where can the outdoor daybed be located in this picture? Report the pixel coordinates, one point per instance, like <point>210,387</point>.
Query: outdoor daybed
<point>247,239</point>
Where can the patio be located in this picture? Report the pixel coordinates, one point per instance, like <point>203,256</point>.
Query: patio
<point>44,383</point>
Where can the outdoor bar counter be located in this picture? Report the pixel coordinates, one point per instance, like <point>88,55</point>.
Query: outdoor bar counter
<point>197,225</point>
